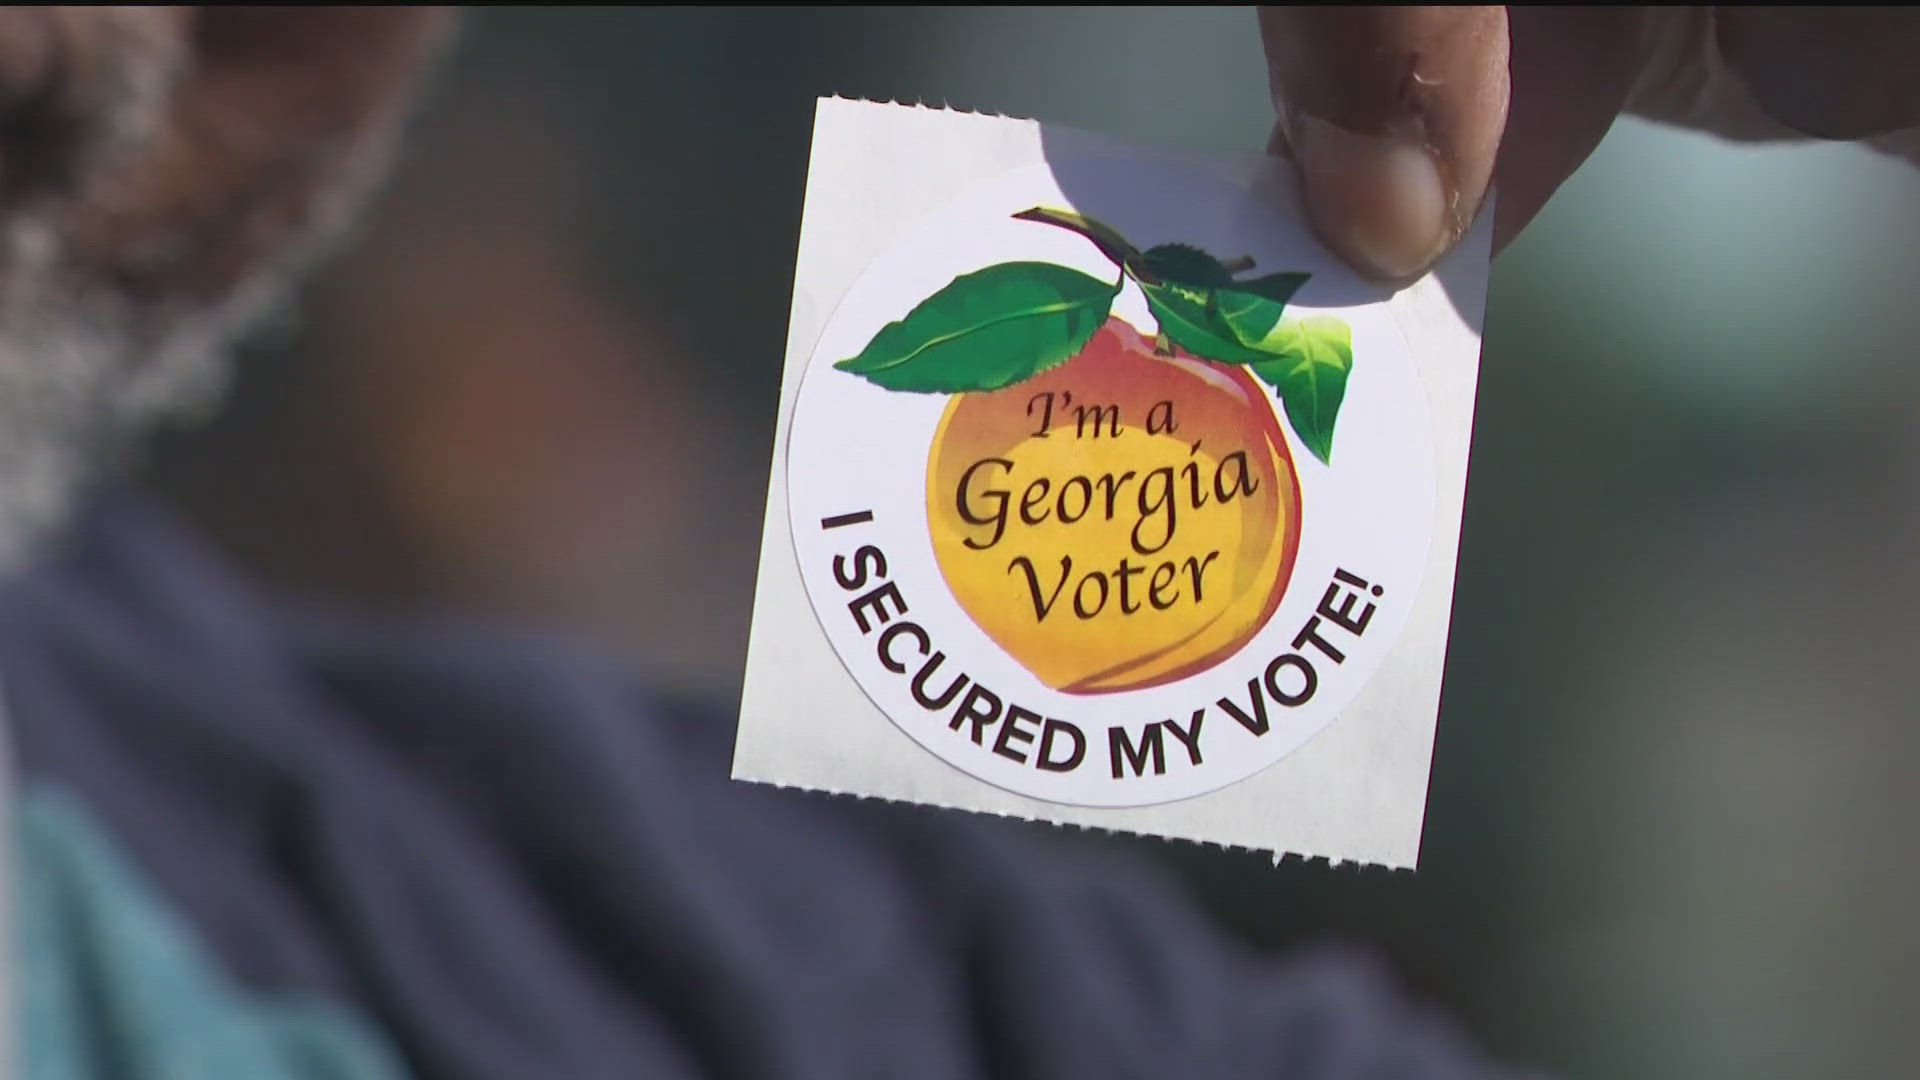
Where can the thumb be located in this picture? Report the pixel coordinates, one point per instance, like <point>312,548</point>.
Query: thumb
<point>1392,116</point>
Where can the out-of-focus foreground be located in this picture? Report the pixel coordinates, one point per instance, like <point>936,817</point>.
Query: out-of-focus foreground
<point>1677,758</point>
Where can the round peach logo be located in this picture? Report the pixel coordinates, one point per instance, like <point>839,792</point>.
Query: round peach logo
<point>1153,551</point>
<point>1113,495</point>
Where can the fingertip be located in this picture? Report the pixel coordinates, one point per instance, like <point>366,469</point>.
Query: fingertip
<point>1378,200</point>
<point>1392,118</point>
<point>1571,71</point>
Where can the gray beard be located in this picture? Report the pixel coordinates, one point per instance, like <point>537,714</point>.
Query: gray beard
<point>68,347</point>
<point>83,369</point>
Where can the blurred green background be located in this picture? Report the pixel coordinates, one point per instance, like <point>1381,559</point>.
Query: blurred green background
<point>1678,754</point>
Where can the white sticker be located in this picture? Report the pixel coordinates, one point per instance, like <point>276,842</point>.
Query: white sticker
<point>1103,483</point>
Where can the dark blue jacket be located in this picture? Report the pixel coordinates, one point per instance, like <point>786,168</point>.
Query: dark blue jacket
<point>255,842</point>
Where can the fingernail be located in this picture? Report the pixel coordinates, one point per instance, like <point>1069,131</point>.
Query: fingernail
<point>1376,199</point>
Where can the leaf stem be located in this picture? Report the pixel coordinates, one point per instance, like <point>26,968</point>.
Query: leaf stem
<point>1111,244</point>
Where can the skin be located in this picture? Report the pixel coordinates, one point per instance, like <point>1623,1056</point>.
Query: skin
<point>185,203</point>
<point>164,170</point>
<point>248,132</point>
<point>163,174</point>
<point>187,193</point>
<point>1518,97</point>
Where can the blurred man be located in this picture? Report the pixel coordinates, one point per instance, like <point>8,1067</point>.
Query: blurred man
<point>261,842</point>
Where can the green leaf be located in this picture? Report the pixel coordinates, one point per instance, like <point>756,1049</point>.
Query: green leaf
<point>1251,309</point>
<point>988,329</point>
<point>1204,311</point>
<point>1186,264</point>
<point>1310,360</point>
<point>1186,315</point>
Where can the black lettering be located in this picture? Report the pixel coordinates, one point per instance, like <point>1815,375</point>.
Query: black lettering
<point>1102,414</point>
<point>982,707</point>
<point>873,600</point>
<point>1035,495</point>
<point>1121,749</point>
<point>1310,680</point>
<point>1011,730</point>
<point>1046,413</point>
<point>1257,723</point>
<point>1040,607</point>
<point>1309,634</point>
<point>1190,738</point>
<point>1123,573</point>
<point>1156,585</point>
<point>1162,499</point>
<point>866,554</point>
<point>1343,615</point>
<point>1086,499</point>
<point>1245,485</point>
<point>935,704</point>
<point>1191,470</point>
<point>1160,418</point>
<point>884,646</point>
<point>1113,484</point>
<point>1043,756</point>
<point>1080,591</point>
<point>858,517</point>
<point>1196,567</point>
<point>964,506</point>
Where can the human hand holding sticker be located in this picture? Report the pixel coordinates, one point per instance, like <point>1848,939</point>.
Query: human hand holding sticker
<point>1399,119</point>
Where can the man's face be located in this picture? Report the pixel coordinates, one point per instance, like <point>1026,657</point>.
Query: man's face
<point>162,172</point>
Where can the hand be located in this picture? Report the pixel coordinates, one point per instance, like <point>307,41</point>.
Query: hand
<point>1399,118</point>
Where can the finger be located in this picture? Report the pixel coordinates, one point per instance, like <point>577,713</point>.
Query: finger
<point>1392,116</point>
<point>1571,70</point>
<point>1830,72</point>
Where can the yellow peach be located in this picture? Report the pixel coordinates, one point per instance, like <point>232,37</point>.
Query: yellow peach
<point>1126,519</point>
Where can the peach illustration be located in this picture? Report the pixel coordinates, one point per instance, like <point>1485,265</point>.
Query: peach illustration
<point>1124,519</point>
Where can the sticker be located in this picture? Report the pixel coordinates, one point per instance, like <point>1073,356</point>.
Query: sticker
<point>1102,481</point>
<point>1116,510</point>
